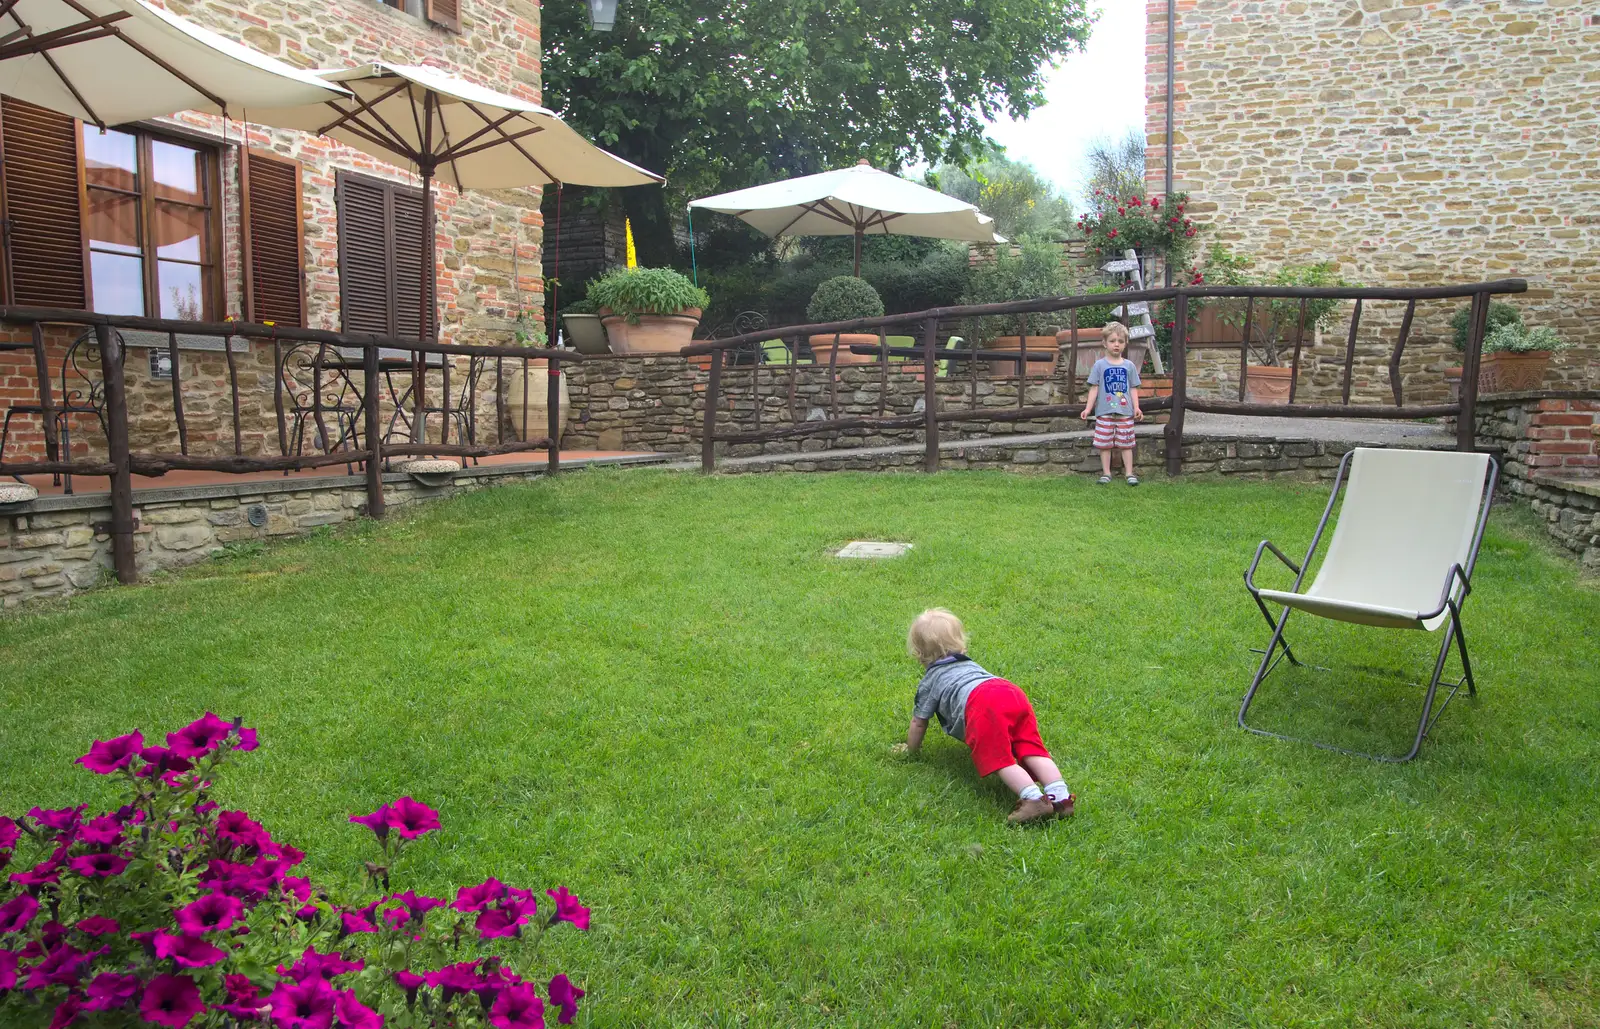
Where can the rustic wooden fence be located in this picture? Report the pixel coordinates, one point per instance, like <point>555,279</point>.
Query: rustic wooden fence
<point>366,445</point>
<point>933,325</point>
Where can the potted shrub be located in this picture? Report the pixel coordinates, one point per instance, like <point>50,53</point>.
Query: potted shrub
<point>584,331</point>
<point>527,385</point>
<point>843,298</point>
<point>1273,323</point>
<point>1515,357</point>
<point>648,310</point>
<point>1090,321</point>
<point>1030,270</point>
<point>1500,314</point>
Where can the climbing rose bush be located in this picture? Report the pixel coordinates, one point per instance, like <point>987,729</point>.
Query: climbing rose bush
<point>170,911</point>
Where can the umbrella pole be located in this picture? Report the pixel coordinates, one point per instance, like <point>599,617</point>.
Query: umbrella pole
<point>858,251</point>
<point>430,242</point>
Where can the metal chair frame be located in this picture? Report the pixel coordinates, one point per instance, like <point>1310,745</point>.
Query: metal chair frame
<point>1448,601</point>
<point>91,400</point>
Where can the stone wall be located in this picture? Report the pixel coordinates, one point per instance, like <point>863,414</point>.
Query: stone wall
<point>1542,433</point>
<point>488,244</point>
<point>1410,142</point>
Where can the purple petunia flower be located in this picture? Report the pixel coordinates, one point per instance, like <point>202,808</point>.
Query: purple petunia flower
<point>309,1004</point>
<point>417,905</point>
<point>16,913</point>
<point>171,1000</point>
<point>568,909</point>
<point>9,833</point>
<point>104,831</point>
<point>187,951</point>
<point>160,761</point>
<point>518,1007</point>
<point>66,1012</point>
<point>410,982</point>
<point>58,820</point>
<point>98,925</point>
<point>106,756</point>
<point>243,1010</point>
<point>411,818</point>
<point>239,829</point>
<point>98,866</point>
<point>320,966</point>
<point>495,924</point>
<point>110,990</point>
<point>8,968</point>
<point>200,737</point>
<point>565,996</point>
<point>63,966</point>
<point>352,922</point>
<point>476,898</point>
<point>378,821</point>
<point>355,1015</point>
<point>247,740</point>
<point>41,874</point>
<point>213,912</point>
<point>458,978</point>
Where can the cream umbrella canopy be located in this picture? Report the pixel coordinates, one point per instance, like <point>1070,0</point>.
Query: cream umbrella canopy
<point>455,131</point>
<point>854,202</point>
<point>114,61</point>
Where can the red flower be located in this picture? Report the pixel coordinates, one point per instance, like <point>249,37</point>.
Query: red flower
<point>1190,232</point>
<point>1122,210</point>
<point>1112,234</point>
<point>1155,203</point>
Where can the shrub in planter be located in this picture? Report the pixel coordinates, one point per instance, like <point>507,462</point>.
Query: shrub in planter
<point>1501,314</point>
<point>1032,270</point>
<point>843,298</point>
<point>648,310</point>
<point>1515,357</point>
<point>168,910</point>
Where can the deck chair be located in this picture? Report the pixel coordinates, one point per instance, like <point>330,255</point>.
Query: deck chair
<point>1401,557</point>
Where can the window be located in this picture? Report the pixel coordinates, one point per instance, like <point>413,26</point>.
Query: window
<point>444,13</point>
<point>150,225</point>
<point>383,244</point>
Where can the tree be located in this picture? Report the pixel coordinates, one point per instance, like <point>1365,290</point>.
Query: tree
<point>722,95</point>
<point>1115,167</point>
<point>1011,192</point>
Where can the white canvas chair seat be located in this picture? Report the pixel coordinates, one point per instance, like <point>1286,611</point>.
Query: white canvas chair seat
<point>1401,554</point>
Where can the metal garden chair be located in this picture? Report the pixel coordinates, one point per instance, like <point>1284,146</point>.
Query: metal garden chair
<point>1401,557</point>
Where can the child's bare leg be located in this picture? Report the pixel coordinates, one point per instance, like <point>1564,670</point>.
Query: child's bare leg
<point>1016,779</point>
<point>1042,769</point>
<point>1127,461</point>
<point>1105,463</point>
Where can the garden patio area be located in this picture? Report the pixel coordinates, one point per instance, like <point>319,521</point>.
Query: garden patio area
<point>664,692</point>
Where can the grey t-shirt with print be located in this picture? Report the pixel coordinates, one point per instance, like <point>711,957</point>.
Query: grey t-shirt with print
<point>1117,383</point>
<point>944,690</point>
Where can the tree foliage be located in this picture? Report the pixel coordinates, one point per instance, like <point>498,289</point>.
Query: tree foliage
<point>1013,193</point>
<point>723,95</point>
<point>1116,168</point>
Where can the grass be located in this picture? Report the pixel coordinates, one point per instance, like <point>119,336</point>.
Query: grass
<point>661,691</point>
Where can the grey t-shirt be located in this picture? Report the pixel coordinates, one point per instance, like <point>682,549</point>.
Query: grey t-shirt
<point>944,690</point>
<point>1117,383</point>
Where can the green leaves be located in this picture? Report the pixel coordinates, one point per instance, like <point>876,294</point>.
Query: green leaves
<point>843,298</point>
<point>630,292</point>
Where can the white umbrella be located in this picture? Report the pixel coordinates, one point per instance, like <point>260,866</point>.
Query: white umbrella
<point>457,132</point>
<point>854,202</point>
<point>114,61</point>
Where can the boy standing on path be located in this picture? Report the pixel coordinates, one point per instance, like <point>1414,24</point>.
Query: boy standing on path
<point>1114,401</point>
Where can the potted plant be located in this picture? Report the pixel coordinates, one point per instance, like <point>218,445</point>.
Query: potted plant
<point>1027,271</point>
<point>843,298</point>
<point>1091,320</point>
<point>1515,357</point>
<point>1273,322</point>
<point>1147,225</point>
<point>1500,315</point>
<point>648,310</point>
<point>584,331</point>
<point>527,385</point>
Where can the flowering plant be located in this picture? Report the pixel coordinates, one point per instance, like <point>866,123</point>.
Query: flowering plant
<point>1152,224</point>
<point>169,911</point>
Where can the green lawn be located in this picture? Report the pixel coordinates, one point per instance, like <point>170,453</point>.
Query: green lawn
<point>663,692</point>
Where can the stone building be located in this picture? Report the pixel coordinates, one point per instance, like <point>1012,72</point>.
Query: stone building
<point>147,219</point>
<point>1410,142</point>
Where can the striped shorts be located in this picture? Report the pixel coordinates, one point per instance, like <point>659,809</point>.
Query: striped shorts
<point>1113,432</point>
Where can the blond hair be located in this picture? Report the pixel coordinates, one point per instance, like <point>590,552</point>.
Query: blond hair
<point>936,633</point>
<point>1110,329</point>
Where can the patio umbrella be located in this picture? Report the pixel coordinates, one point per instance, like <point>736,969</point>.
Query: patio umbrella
<point>454,131</point>
<point>112,61</point>
<point>854,202</point>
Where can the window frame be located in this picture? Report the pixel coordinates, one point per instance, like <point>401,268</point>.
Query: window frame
<point>212,154</point>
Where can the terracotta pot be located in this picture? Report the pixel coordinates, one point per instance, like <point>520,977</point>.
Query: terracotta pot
<point>1268,384</point>
<point>1452,381</point>
<point>1091,349</point>
<point>585,332</point>
<point>1036,345</point>
<point>532,421</point>
<point>653,333</point>
<point>1506,372</point>
<point>822,348</point>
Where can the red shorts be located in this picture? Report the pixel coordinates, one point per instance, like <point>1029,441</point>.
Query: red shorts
<point>1001,729</point>
<point>1113,432</point>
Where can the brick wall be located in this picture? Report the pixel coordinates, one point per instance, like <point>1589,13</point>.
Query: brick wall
<point>489,243</point>
<point>1411,142</point>
<point>1542,434</point>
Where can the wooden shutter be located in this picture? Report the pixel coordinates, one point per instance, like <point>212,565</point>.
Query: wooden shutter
<point>275,231</point>
<point>364,293</point>
<point>445,13</point>
<point>42,205</point>
<point>383,249</point>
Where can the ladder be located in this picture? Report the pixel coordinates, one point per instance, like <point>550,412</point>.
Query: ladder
<point>1144,328</point>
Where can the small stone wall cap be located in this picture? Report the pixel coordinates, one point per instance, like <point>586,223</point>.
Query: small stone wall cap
<point>17,493</point>
<point>431,467</point>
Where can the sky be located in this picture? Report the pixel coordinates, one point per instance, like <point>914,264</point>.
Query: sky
<point>1099,92</point>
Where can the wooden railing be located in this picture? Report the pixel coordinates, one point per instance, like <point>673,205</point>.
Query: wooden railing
<point>927,325</point>
<point>365,445</point>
